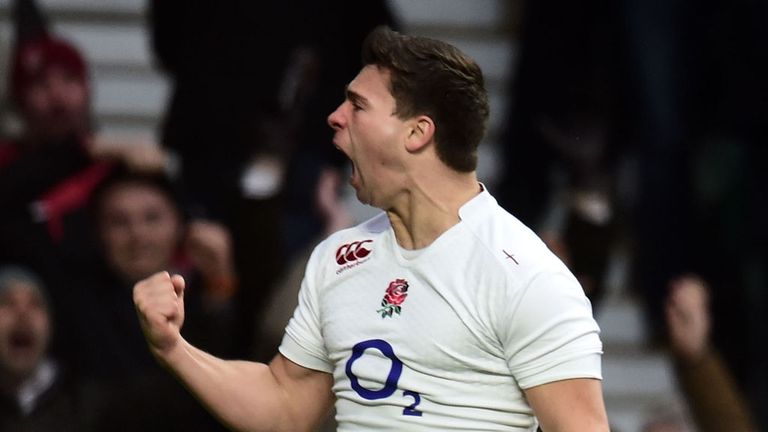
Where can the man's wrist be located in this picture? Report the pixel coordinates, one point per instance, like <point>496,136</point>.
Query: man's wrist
<point>173,354</point>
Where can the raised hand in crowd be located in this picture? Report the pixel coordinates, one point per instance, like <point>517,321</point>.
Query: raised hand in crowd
<point>209,247</point>
<point>715,401</point>
<point>138,153</point>
<point>688,318</point>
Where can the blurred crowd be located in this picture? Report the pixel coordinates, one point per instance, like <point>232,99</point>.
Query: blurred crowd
<point>633,126</point>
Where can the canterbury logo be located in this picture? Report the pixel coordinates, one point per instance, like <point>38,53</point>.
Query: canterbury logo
<point>352,252</point>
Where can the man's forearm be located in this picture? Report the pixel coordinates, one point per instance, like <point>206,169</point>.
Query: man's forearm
<point>244,395</point>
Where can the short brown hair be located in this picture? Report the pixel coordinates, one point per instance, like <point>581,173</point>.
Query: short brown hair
<point>434,78</point>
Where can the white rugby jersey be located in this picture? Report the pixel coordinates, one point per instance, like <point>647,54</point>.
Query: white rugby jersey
<point>445,338</point>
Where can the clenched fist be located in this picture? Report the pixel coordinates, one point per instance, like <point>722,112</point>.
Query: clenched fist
<point>159,301</point>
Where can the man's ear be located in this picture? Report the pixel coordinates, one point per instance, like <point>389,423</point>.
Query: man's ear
<point>420,134</point>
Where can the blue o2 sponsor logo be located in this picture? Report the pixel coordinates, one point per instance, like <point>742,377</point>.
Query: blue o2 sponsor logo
<point>394,372</point>
<point>393,376</point>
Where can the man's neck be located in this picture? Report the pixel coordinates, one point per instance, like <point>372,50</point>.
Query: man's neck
<point>430,207</point>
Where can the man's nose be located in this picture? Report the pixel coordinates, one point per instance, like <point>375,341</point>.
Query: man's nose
<point>336,118</point>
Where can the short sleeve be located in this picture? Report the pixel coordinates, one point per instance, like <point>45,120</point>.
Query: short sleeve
<point>303,341</point>
<point>549,334</point>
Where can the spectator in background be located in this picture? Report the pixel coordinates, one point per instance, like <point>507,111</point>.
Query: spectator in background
<point>34,395</point>
<point>47,173</point>
<point>141,230</point>
<point>252,85</point>
<point>715,402</point>
<point>49,170</point>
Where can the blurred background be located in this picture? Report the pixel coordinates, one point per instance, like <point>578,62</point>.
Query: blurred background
<point>629,134</point>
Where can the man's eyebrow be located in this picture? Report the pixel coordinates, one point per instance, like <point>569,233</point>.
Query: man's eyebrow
<point>355,98</point>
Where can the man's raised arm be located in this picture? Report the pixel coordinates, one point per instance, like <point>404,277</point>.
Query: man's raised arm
<point>281,396</point>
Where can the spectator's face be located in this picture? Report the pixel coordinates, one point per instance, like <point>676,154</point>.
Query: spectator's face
<point>24,329</point>
<point>372,136</point>
<point>55,105</point>
<point>140,230</point>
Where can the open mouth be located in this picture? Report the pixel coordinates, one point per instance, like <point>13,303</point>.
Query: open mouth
<point>341,151</point>
<point>351,164</point>
<point>22,339</point>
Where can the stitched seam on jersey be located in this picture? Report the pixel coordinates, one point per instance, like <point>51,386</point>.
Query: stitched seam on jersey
<point>491,333</point>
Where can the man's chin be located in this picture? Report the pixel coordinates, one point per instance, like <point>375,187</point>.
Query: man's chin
<point>369,201</point>
<point>362,196</point>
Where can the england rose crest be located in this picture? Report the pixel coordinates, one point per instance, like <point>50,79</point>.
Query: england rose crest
<point>396,293</point>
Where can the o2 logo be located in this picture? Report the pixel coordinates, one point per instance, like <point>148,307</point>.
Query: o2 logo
<point>390,386</point>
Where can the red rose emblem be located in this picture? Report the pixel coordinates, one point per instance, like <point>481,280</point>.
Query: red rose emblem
<point>395,295</point>
<point>396,292</point>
